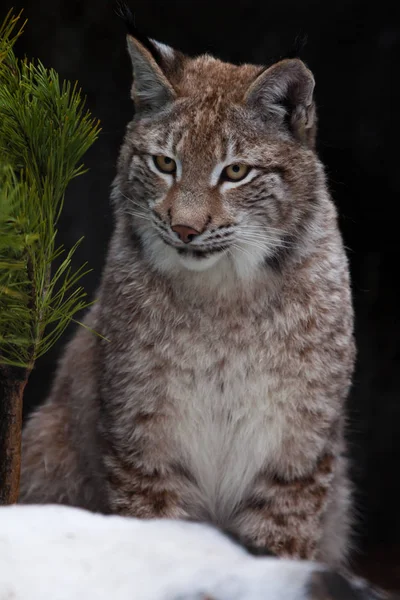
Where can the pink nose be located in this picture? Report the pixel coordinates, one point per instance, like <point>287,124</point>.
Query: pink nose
<point>186,234</point>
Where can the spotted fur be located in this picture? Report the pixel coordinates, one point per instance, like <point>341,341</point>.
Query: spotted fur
<point>217,390</point>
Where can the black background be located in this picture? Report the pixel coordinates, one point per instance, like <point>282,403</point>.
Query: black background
<point>354,50</point>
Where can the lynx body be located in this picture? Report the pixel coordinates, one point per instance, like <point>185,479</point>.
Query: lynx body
<point>217,392</point>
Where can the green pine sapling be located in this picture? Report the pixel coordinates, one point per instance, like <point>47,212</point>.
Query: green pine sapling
<point>44,132</point>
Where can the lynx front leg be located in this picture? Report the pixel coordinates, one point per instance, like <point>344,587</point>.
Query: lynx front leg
<point>140,489</point>
<point>285,516</point>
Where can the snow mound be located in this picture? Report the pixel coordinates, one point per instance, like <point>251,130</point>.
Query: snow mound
<point>61,553</point>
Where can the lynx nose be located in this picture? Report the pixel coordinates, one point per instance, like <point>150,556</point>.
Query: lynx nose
<point>186,234</point>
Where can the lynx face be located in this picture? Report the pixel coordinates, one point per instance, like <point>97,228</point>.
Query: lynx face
<point>218,165</point>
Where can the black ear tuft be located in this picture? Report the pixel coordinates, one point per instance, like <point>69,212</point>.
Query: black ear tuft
<point>299,43</point>
<point>124,12</point>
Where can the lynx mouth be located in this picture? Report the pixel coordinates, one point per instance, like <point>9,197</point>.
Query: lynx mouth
<point>199,254</point>
<point>200,260</point>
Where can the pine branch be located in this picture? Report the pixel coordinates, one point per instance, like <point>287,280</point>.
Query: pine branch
<point>44,132</point>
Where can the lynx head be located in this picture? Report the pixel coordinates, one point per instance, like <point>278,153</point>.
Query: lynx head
<point>218,169</point>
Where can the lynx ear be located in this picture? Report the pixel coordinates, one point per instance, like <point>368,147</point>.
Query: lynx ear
<point>285,92</point>
<point>151,89</point>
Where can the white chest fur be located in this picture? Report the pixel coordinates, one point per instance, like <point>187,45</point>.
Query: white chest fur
<point>228,426</point>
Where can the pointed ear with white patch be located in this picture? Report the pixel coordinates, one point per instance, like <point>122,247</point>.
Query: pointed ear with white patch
<point>166,56</point>
<point>284,92</point>
<point>151,88</point>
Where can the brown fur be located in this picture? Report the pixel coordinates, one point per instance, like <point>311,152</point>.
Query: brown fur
<point>218,392</point>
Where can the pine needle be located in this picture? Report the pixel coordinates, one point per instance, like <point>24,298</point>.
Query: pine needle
<point>44,132</point>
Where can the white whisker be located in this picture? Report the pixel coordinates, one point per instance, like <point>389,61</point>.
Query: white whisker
<point>259,236</point>
<point>261,242</point>
<point>262,228</point>
<point>243,250</point>
<point>266,230</point>
<point>138,214</point>
<point>264,236</point>
<point>142,206</point>
<point>256,245</point>
<point>268,240</point>
<point>267,246</point>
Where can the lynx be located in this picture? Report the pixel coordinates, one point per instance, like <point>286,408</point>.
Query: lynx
<point>217,390</point>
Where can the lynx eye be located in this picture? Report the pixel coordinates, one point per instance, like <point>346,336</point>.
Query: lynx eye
<point>165,164</point>
<point>235,172</point>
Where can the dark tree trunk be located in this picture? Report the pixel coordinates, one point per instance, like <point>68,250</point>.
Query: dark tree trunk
<point>12,385</point>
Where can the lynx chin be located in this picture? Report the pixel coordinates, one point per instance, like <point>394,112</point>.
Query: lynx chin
<point>217,392</point>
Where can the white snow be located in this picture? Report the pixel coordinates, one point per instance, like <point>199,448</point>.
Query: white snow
<point>60,553</point>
